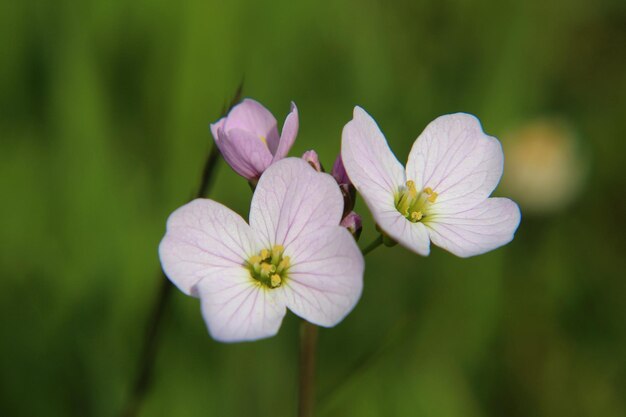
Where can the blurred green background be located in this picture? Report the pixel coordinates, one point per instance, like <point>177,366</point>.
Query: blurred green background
<point>104,113</point>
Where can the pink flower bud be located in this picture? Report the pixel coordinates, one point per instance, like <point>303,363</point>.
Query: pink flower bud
<point>313,160</point>
<point>352,222</point>
<point>248,138</point>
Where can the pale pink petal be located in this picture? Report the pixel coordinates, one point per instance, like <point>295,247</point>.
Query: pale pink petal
<point>370,164</point>
<point>251,116</point>
<point>244,152</point>
<point>288,134</point>
<point>485,227</point>
<point>292,199</point>
<point>455,158</point>
<point>325,279</point>
<point>204,239</point>
<point>412,236</point>
<point>215,127</point>
<point>236,308</point>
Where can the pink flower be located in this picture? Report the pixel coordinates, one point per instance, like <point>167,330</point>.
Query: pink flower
<point>248,138</point>
<point>293,255</point>
<point>443,195</point>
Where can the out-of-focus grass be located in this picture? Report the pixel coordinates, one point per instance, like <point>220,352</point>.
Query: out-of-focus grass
<point>104,112</point>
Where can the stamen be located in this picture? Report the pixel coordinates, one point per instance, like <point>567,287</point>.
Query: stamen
<point>269,267</point>
<point>275,281</point>
<point>284,264</point>
<point>256,259</point>
<point>277,251</point>
<point>416,216</point>
<point>408,198</point>
<point>433,197</point>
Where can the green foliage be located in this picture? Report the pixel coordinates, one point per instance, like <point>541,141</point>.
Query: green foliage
<point>104,113</point>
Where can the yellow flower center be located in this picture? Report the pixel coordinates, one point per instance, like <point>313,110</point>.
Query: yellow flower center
<point>415,205</point>
<point>269,267</point>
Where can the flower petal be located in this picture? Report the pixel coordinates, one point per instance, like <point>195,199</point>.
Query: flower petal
<point>203,239</point>
<point>412,236</point>
<point>293,199</point>
<point>215,127</point>
<point>251,116</point>
<point>244,152</point>
<point>485,227</point>
<point>288,135</point>
<point>325,279</point>
<point>369,162</point>
<point>455,158</point>
<point>236,308</point>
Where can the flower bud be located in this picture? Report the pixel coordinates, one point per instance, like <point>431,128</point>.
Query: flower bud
<point>248,138</point>
<point>313,160</point>
<point>352,222</point>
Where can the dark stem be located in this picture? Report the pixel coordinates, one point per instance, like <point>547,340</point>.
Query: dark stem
<point>376,243</point>
<point>143,379</point>
<point>306,392</point>
<point>145,367</point>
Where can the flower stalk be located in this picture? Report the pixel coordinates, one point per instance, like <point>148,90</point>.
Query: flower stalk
<point>376,243</point>
<point>145,367</point>
<point>306,386</point>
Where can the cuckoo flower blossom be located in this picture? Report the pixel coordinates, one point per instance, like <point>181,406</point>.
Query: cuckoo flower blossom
<point>293,254</point>
<point>443,195</point>
<point>248,138</point>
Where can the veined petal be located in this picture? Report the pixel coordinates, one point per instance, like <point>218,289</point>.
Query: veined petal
<point>325,279</point>
<point>485,227</point>
<point>369,162</point>
<point>288,134</point>
<point>203,240</point>
<point>244,152</point>
<point>236,308</point>
<point>292,199</point>
<point>251,116</point>
<point>412,236</point>
<point>457,160</point>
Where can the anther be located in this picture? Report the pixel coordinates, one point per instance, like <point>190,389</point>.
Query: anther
<point>256,259</point>
<point>265,254</point>
<point>275,281</point>
<point>433,197</point>
<point>284,264</point>
<point>267,269</point>
<point>277,250</point>
<point>416,216</point>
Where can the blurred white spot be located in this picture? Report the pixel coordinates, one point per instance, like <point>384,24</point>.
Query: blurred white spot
<point>544,169</point>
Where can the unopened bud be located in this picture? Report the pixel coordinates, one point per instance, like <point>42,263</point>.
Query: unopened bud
<point>352,222</point>
<point>313,160</point>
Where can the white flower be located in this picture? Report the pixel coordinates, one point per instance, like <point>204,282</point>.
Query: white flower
<point>293,254</point>
<point>442,196</point>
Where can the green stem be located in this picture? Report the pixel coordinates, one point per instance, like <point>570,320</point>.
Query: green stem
<point>145,367</point>
<point>376,243</point>
<point>306,391</point>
